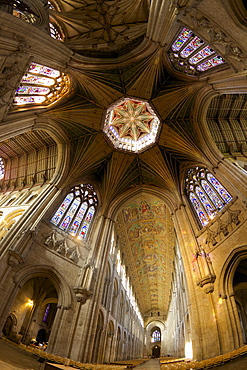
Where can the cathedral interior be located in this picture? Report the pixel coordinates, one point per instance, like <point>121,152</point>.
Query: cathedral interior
<point>123,177</point>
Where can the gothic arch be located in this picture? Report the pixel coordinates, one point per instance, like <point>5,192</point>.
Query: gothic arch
<point>65,299</point>
<point>63,146</point>
<point>228,271</point>
<point>131,194</point>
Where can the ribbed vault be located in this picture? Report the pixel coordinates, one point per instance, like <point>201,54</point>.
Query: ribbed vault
<point>135,37</point>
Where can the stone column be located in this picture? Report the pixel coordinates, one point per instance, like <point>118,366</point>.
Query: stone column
<point>85,324</point>
<point>204,332</point>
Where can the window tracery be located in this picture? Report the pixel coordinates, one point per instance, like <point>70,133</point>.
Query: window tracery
<point>156,336</point>
<point>77,210</point>
<point>206,194</point>
<point>191,55</point>
<point>2,169</point>
<point>41,85</point>
<point>55,30</point>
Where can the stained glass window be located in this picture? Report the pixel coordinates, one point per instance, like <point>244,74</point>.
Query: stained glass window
<point>76,212</point>
<point>206,194</point>
<point>190,55</point>
<point>202,54</point>
<point>192,46</point>
<point>2,170</point>
<point>215,61</point>
<point>55,31</point>
<point>184,35</point>
<point>47,310</point>
<point>156,336</point>
<point>25,15</point>
<point>41,85</point>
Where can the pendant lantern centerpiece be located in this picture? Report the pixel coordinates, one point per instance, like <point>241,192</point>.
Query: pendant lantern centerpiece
<point>131,125</point>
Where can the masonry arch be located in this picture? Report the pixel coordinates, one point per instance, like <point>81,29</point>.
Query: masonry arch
<point>233,292</point>
<point>154,338</point>
<point>35,291</point>
<point>109,345</point>
<point>97,349</point>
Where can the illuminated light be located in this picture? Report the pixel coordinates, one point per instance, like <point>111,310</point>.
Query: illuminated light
<point>30,303</point>
<point>188,350</point>
<point>220,301</point>
<point>41,85</point>
<point>131,125</point>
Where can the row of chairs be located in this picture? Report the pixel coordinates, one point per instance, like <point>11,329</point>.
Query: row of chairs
<point>204,364</point>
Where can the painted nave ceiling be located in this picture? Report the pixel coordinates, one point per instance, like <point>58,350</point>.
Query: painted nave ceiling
<point>138,50</point>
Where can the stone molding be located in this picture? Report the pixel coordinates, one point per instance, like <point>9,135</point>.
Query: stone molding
<point>82,294</point>
<point>61,246</point>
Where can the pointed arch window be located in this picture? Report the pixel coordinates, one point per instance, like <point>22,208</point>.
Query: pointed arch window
<point>2,169</point>
<point>77,210</point>
<point>156,336</point>
<point>206,194</point>
<point>55,30</point>
<point>192,55</point>
<point>41,85</point>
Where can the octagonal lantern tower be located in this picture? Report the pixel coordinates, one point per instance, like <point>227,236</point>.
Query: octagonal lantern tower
<point>131,125</point>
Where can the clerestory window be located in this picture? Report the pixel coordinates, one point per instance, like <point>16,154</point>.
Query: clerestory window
<point>41,85</point>
<point>192,55</point>
<point>206,194</point>
<point>77,210</point>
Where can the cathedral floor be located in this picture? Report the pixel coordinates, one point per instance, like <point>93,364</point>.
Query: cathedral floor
<point>153,364</point>
<point>13,358</point>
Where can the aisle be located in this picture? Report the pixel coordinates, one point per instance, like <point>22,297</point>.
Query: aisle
<point>153,364</point>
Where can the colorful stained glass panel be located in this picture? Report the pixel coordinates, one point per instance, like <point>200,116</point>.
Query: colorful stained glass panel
<point>203,217</point>
<point>69,216</point>
<point>37,80</point>
<point>75,214</point>
<point>2,170</point>
<point>212,194</point>
<point>206,204</point>
<point>61,210</point>
<point>33,90</point>
<point>202,54</point>
<point>215,61</point>
<point>19,100</point>
<point>78,219</point>
<point>86,223</point>
<point>220,189</point>
<point>191,47</point>
<point>181,39</point>
<point>43,70</point>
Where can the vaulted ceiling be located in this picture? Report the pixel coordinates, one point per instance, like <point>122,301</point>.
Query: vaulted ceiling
<point>121,49</point>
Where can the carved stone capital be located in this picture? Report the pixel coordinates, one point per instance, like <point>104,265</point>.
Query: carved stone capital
<point>82,294</point>
<point>207,283</point>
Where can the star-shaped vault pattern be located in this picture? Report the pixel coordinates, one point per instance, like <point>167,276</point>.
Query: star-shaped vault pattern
<point>131,125</point>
